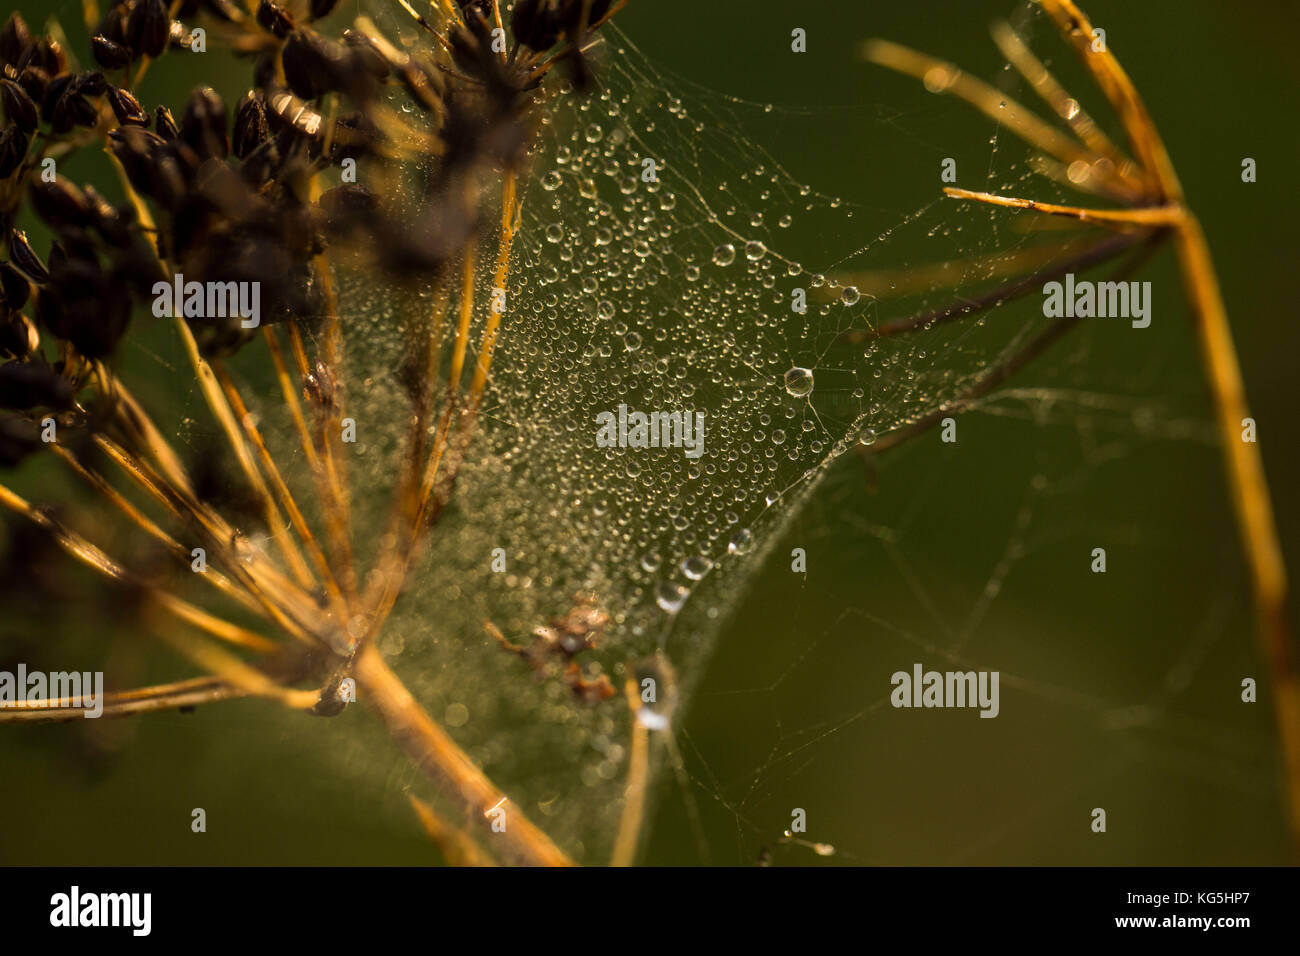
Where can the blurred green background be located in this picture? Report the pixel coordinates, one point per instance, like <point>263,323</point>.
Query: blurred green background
<point>1128,696</point>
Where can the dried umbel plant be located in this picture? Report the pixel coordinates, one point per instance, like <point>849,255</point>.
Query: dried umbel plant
<point>441,130</point>
<point>225,206</point>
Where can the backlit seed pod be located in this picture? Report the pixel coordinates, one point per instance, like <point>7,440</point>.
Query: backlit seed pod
<point>18,106</point>
<point>15,39</point>
<point>13,147</point>
<point>109,55</point>
<point>273,18</point>
<point>22,255</point>
<point>25,385</point>
<point>127,108</point>
<point>61,203</point>
<point>203,127</point>
<point>14,285</point>
<point>251,128</point>
<point>18,336</point>
<point>164,124</point>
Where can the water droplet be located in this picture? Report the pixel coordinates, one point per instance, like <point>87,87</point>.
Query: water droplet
<point>755,250</point>
<point>671,596</point>
<point>850,295</point>
<point>742,542</point>
<point>554,232</point>
<point>632,341</point>
<point>867,436</point>
<point>696,567</point>
<point>552,180</point>
<point>799,382</point>
<point>692,273</point>
<point>724,255</point>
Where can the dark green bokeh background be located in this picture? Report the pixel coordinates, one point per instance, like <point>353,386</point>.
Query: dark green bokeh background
<point>780,722</point>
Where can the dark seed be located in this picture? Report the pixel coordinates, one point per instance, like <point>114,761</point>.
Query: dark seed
<point>251,128</point>
<point>13,148</point>
<point>18,336</point>
<point>151,33</point>
<point>127,108</point>
<point>26,385</point>
<point>35,81</point>
<point>273,17</point>
<point>536,23</point>
<point>320,9</point>
<point>61,203</point>
<point>109,55</point>
<point>18,439</point>
<point>15,39</point>
<point>50,57</point>
<point>22,255</point>
<point>165,124</point>
<point>15,286</point>
<point>203,127</point>
<point>91,84</point>
<point>312,65</point>
<point>18,105</point>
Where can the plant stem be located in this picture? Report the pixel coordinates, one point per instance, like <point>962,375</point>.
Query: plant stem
<point>448,765</point>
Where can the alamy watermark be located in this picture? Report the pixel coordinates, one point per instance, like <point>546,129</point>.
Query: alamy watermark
<point>75,908</point>
<point>653,430</point>
<point>1085,299</point>
<point>37,690</point>
<point>209,300</point>
<point>922,688</point>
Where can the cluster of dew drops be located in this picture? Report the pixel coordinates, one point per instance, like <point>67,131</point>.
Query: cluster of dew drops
<point>610,320</point>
